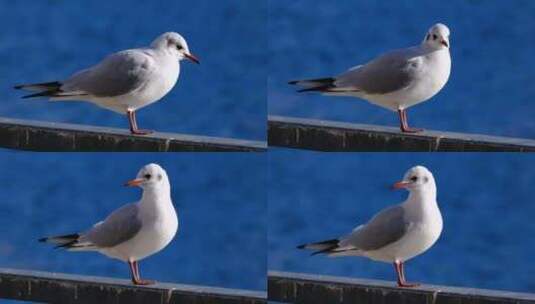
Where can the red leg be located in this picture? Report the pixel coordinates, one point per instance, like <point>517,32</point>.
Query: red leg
<point>404,126</point>
<point>136,269</point>
<point>133,272</point>
<point>133,124</point>
<point>400,271</point>
<point>138,280</point>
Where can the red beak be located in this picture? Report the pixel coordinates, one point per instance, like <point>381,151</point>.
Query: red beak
<point>192,58</point>
<point>134,183</point>
<point>444,43</point>
<point>401,185</point>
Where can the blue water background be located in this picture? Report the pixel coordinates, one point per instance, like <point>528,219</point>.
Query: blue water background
<point>224,96</point>
<point>222,234</point>
<point>486,202</point>
<point>491,87</point>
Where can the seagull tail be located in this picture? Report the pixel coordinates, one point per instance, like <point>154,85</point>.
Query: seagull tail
<point>71,242</point>
<point>52,90</point>
<point>61,240</point>
<point>315,85</point>
<point>44,89</point>
<point>325,86</point>
<point>331,248</point>
<point>321,247</point>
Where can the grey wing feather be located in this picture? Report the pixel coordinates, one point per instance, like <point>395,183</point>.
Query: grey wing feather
<point>385,228</point>
<point>117,74</point>
<point>120,226</point>
<point>390,72</point>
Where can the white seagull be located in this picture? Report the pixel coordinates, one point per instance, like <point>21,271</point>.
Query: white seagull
<point>134,231</point>
<point>395,80</point>
<point>398,233</point>
<point>125,81</point>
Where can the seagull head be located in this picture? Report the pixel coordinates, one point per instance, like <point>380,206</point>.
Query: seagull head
<point>151,176</point>
<point>417,178</point>
<point>176,45</point>
<point>438,37</point>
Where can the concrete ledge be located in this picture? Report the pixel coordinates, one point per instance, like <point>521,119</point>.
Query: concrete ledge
<point>304,288</point>
<point>64,288</point>
<point>300,133</point>
<point>49,136</point>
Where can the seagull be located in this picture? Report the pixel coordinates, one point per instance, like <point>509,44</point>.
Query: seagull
<point>397,79</point>
<point>134,231</point>
<point>398,233</point>
<point>125,81</point>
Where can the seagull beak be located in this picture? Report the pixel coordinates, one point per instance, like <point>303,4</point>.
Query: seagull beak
<point>401,185</point>
<point>134,183</point>
<point>192,58</point>
<point>444,43</point>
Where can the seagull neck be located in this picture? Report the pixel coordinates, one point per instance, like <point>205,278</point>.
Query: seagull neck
<point>417,196</point>
<point>156,194</point>
<point>164,51</point>
<point>429,48</point>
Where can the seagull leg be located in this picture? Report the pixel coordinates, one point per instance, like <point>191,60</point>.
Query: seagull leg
<point>133,272</point>
<point>137,278</point>
<point>400,271</point>
<point>405,124</point>
<point>133,124</point>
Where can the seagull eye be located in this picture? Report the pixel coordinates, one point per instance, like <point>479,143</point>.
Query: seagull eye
<point>414,178</point>
<point>147,176</point>
<point>435,37</point>
<point>179,47</point>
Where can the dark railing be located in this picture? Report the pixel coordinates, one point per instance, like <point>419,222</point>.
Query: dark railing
<point>284,132</point>
<point>66,289</point>
<point>315,289</point>
<point>49,136</point>
<point>299,133</point>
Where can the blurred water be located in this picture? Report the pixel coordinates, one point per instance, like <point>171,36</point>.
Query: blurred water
<point>224,96</point>
<point>486,202</point>
<point>491,86</point>
<point>56,193</point>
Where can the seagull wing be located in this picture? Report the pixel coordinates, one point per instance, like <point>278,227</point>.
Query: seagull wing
<point>120,226</point>
<point>116,75</point>
<point>390,72</point>
<point>385,228</point>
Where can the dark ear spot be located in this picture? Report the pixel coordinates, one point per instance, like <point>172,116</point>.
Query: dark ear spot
<point>159,177</point>
<point>426,179</point>
<point>428,37</point>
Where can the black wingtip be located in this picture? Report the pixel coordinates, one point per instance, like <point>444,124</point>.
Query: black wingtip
<point>301,246</point>
<point>292,82</point>
<point>42,240</point>
<point>315,89</point>
<point>40,94</point>
<point>18,86</point>
<point>66,245</point>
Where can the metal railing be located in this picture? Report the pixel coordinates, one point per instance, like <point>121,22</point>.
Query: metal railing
<point>310,134</point>
<point>316,289</point>
<point>50,136</point>
<point>64,288</point>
